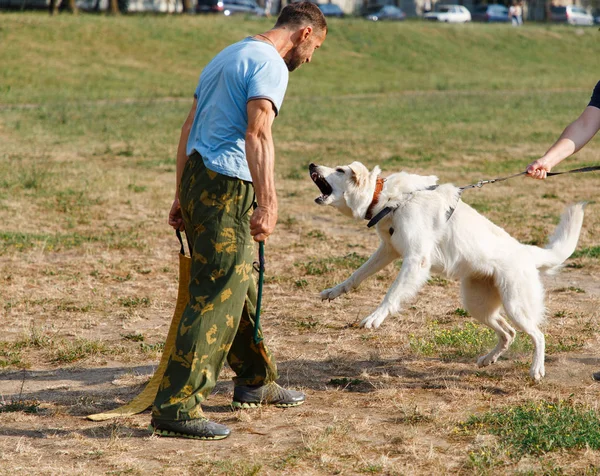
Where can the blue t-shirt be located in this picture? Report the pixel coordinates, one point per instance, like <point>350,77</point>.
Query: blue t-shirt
<point>249,69</point>
<point>595,101</point>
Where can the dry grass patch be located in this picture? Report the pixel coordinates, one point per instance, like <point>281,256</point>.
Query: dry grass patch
<point>87,257</point>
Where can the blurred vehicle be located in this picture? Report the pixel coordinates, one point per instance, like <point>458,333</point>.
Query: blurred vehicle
<point>130,6</point>
<point>449,14</point>
<point>25,4</point>
<point>571,14</point>
<point>331,10</point>
<point>229,7</point>
<point>386,12</point>
<point>597,18</point>
<point>491,14</point>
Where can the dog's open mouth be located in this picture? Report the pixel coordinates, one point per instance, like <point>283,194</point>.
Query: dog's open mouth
<point>324,187</point>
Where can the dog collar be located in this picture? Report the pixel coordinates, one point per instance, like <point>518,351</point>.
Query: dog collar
<point>378,189</point>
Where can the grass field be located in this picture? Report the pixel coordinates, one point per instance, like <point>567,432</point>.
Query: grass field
<point>90,113</point>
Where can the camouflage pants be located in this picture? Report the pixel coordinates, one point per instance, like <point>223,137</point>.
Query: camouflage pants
<point>218,321</point>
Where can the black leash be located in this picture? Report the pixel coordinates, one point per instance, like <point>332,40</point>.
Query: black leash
<point>373,221</point>
<point>261,278</point>
<point>481,183</point>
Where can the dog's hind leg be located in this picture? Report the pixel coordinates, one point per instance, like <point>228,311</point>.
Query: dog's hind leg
<point>524,304</point>
<point>508,328</point>
<point>482,299</point>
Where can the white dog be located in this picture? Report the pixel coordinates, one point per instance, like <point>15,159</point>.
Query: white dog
<point>433,230</point>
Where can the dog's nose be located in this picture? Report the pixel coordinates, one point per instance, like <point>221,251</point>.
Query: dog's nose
<point>311,166</point>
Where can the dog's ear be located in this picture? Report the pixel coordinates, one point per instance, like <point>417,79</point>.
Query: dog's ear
<point>359,192</point>
<point>360,174</point>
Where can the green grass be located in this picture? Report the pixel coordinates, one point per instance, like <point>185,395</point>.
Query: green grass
<point>590,252</point>
<point>428,98</point>
<point>226,467</point>
<point>60,351</point>
<point>323,266</point>
<point>25,406</point>
<point>91,109</point>
<point>467,340</point>
<point>66,352</point>
<point>139,57</point>
<point>113,239</point>
<point>472,340</point>
<point>539,427</point>
<point>133,302</point>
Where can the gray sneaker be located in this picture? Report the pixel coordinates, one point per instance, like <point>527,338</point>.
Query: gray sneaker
<point>198,429</point>
<point>246,396</point>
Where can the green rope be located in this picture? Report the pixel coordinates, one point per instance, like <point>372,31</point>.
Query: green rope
<point>261,278</point>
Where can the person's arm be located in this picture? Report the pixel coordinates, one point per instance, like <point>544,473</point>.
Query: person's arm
<point>573,138</point>
<point>175,219</point>
<point>260,154</point>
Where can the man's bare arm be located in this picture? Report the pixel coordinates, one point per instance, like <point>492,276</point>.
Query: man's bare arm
<point>260,154</point>
<point>574,137</point>
<point>175,219</point>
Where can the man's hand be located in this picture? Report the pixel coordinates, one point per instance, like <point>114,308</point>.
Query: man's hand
<point>262,223</point>
<point>538,169</point>
<point>175,218</point>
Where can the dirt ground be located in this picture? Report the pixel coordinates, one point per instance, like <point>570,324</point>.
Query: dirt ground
<point>375,404</point>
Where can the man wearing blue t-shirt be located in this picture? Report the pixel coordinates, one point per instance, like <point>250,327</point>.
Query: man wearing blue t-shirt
<point>225,200</point>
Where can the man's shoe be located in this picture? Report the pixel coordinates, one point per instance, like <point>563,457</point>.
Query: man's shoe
<point>246,396</point>
<point>198,429</point>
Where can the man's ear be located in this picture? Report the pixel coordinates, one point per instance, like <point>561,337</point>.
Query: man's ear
<point>306,32</point>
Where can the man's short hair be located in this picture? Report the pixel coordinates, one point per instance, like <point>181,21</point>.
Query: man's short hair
<point>302,14</point>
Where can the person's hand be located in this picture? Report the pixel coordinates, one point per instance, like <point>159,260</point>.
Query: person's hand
<point>175,218</point>
<point>538,169</point>
<point>262,223</point>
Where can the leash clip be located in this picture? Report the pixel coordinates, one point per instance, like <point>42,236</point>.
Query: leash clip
<point>259,266</point>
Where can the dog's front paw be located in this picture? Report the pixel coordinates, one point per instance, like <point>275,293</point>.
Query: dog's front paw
<point>537,374</point>
<point>330,294</point>
<point>374,320</point>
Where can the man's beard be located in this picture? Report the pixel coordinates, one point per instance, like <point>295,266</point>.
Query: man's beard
<point>297,58</point>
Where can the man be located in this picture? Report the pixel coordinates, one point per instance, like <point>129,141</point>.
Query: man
<point>225,165</point>
<point>574,137</point>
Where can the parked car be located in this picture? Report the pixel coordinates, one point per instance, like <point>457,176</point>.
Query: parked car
<point>386,12</point>
<point>130,6</point>
<point>331,10</point>
<point>491,14</point>
<point>25,4</point>
<point>571,14</point>
<point>449,14</point>
<point>229,7</point>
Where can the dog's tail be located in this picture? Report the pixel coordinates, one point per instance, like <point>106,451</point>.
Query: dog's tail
<point>563,242</point>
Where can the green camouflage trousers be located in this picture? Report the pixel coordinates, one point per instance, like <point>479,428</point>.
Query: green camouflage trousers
<point>218,321</point>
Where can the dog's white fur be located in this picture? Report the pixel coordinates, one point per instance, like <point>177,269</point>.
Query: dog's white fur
<point>495,269</point>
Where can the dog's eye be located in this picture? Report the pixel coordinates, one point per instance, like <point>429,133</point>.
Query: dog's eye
<point>339,170</point>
